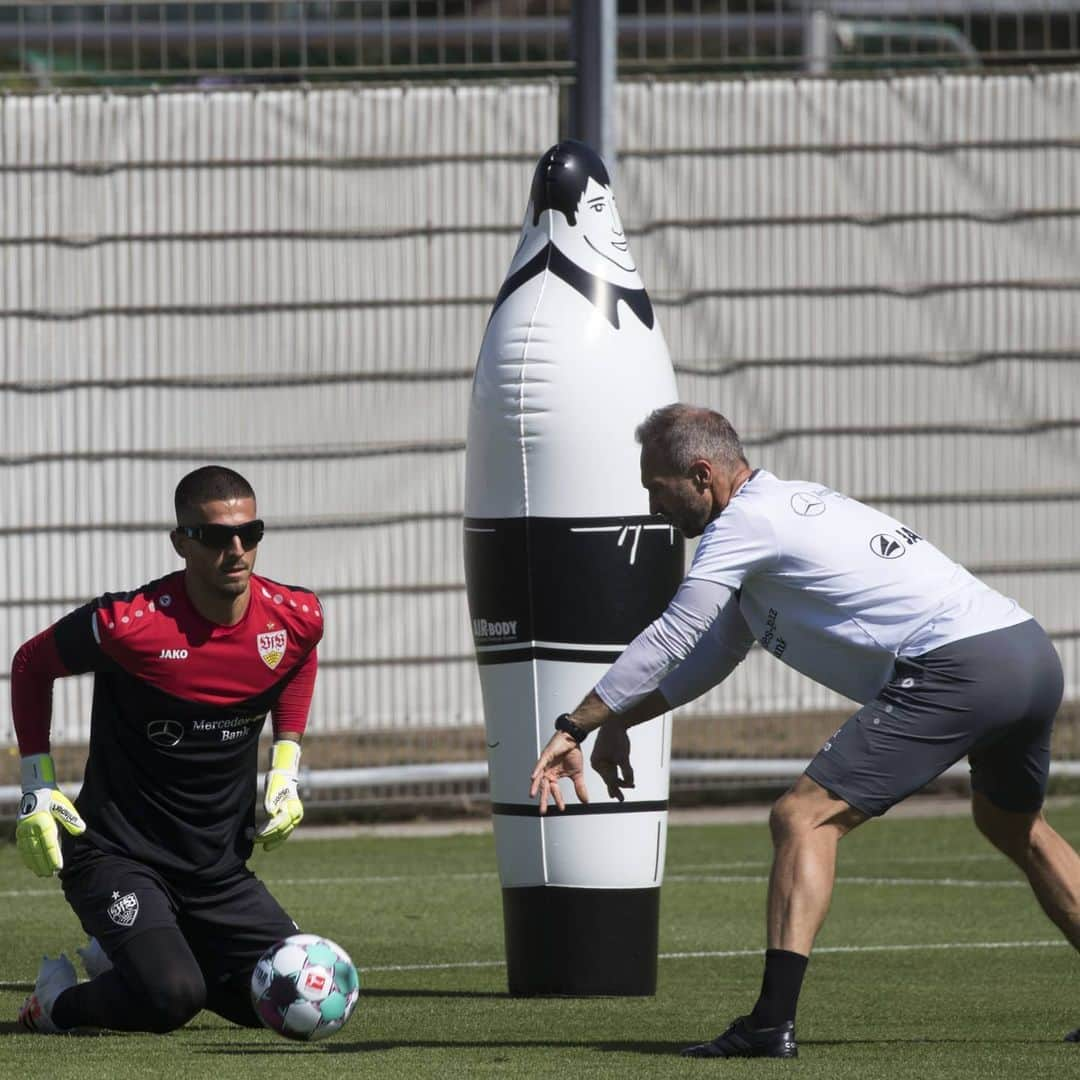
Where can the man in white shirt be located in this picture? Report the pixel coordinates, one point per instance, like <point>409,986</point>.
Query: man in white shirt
<point>943,665</point>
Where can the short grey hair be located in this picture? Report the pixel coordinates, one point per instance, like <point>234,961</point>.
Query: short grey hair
<point>682,434</point>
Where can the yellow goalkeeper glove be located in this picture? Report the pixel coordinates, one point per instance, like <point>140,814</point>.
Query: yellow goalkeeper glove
<point>43,805</point>
<point>281,799</point>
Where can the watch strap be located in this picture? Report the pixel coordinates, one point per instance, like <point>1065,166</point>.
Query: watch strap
<point>567,726</point>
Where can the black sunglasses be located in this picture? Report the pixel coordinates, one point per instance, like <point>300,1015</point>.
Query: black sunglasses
<point>220,537</point>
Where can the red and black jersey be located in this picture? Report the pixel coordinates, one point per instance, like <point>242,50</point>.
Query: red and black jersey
<point>178,705</point>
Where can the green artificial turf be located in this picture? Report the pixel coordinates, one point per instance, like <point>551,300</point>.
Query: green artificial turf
<point>930,965</point>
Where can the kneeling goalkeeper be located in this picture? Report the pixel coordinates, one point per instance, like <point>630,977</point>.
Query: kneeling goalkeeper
<point>152,856</point>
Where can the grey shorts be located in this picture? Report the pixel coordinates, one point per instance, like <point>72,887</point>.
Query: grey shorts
<point>992,697</point>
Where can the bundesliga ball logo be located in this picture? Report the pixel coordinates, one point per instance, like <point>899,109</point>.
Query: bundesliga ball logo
<point>305,987</point>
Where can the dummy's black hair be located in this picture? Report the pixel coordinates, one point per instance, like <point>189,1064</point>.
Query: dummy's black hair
<point>562,176</point>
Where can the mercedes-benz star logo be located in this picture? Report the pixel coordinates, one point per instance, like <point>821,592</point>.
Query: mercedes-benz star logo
<point>806,504</point>
<point>165,732</point>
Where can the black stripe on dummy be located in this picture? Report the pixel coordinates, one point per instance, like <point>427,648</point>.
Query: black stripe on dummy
<point>566,653</point>
<point>581,942</point>
<point>567,582</point>
<point>580,809</point>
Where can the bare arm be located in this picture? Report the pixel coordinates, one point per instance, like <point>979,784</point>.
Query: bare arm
<point>593,712</point>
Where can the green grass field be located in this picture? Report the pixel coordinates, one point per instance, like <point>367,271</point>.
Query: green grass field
<point>935,962</point>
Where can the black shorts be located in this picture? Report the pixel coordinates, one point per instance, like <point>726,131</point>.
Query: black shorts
<point>992,697</point>
<point>228,924</point>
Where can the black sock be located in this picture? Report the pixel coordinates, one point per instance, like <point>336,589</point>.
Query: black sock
<point>779,988</point>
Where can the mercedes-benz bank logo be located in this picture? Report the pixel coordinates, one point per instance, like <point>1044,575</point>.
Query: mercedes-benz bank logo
<point>164,732</point>
<point>806,504</point>
<point>886,546</point>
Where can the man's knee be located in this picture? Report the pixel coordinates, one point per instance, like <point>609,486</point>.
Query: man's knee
<point>807,806</point>
<point>174,1000</point>
<point>163,977</point>
<point>787,816</point>
<point>1011,832</point>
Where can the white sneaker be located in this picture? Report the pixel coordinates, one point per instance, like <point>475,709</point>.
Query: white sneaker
<point>94,959</point>
<point>54,977</point>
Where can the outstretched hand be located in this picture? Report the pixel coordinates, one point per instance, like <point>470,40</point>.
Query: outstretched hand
<point>561,757</point>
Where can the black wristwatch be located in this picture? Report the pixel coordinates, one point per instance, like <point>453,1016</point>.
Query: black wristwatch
<point>567,726</point>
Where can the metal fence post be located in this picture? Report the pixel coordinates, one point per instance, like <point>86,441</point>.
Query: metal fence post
<point>592,97</point>
<point>818,47</point>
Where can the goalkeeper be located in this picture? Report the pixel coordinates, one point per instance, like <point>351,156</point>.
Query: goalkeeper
<point>152,855</point>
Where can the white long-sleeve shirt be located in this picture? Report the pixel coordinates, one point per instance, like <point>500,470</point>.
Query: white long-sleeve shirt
<point>830,586</point>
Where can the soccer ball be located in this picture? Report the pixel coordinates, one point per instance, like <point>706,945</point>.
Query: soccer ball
<point>304,987</point>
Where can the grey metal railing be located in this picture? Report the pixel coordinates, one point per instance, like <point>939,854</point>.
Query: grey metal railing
<point>135,41</point>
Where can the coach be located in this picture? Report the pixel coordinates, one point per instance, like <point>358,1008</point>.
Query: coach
<point>944,666</point>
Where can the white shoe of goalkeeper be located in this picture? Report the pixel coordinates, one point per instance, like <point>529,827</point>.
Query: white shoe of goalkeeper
<point>54,977</point>
<point>94,959</point>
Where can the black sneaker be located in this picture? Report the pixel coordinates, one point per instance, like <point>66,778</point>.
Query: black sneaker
<point>741,1040</point>
<point>1073,1036</point>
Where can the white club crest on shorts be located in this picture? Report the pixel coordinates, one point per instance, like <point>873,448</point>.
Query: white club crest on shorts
<point>124,911</point>
<point>272,647</point>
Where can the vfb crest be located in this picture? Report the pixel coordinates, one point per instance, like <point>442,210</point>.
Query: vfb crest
<point>124,910</point>
<point>272,647</point>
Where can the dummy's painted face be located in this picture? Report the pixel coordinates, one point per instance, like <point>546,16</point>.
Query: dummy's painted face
<point>599,220</point>
<point>597,242</point>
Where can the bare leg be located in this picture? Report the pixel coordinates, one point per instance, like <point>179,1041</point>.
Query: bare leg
<point>807,824</point>
<point>1051,865</point>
